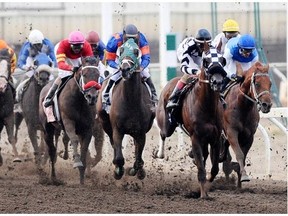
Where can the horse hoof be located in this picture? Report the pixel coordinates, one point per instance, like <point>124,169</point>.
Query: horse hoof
<point>118,173</point>
<point>141,174</point>
<point>17,160</point>
<point>132,171</point>
<point>245,178</point>
<point>78,164</point>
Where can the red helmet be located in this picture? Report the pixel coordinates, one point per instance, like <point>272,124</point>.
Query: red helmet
<point>76,37</point>
<point>92,37</point>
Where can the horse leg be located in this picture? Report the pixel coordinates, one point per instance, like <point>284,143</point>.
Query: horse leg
<point>233,135</point>
<point>137,168</point>
<point>198,157</point>
<point>1,159</point>
<point>33,137</point>
<point>84,142</point>
<point>214,156</point>
<point>18,119</point>
<point>98,143</point>
<point>65,141</point>
<point>43,148</point>
<point>118,160</point>
<point>9,122</point>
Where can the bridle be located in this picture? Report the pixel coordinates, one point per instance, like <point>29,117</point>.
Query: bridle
<point>256,96</point>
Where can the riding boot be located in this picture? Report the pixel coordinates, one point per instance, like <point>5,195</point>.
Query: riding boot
<point>153,90</point>
<point>105,97</point>
<point>49,98</point>
<point>173,100</point>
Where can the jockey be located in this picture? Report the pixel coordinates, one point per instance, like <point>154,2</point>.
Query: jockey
<point>129,31</point>
<point>189,53</point>
<point>230,29</point>
<point>36,43</point>
<point>97,45</point>
<point>241,50</point>
<point>4,45</point>
<point>68,53</point>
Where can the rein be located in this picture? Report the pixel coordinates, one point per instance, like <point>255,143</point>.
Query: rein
<point>253,89</point>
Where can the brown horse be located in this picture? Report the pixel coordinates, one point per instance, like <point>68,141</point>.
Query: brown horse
<point>200,114</point>
<point>77,109</point>
<point>130,113</point>
<point>241,117</point>
<point>7,102</point>
<point>30,102</point>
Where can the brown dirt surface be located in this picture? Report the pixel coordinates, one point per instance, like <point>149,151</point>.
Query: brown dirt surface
<point>167,188</point>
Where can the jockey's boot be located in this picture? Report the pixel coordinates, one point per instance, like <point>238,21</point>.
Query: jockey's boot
<point>222,99</point>
<point>173,100</point>
<point>105,97</point>
<point>50,95</point>
<point>153,90</point>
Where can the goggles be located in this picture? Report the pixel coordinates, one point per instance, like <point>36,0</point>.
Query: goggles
<point>230,35</point>
<point>246,51</point>
<point>76,47</point>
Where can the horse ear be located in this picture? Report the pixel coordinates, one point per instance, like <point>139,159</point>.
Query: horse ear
<point>239,69</point>
<point>36,62</point>
<point>50,63</point>
<point>136,52</point>
<point>121,51</point>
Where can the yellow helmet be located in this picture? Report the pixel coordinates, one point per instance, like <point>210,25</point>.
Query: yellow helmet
<point>230,25</point>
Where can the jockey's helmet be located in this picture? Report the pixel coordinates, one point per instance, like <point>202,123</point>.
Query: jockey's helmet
<point>246,41</point>
<point>76,40</point>
<point>246,45</point>
<point>35,37</point>
<point>203,35</point>
<point>230,25</point>
<point>93,37</point>
<point>76,37</point>
<point>130,31</point>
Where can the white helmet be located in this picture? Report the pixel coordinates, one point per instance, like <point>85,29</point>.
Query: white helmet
<point>35,37</point>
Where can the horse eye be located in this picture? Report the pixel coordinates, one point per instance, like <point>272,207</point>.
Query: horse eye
<point>257,85</point>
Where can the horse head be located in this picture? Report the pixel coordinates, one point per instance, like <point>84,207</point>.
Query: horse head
<point>87,78</point>
<point>256,86</point>
<point>43,69</point>
<point>5,69</point>
<point>129,58</point>
<point>212,64</point>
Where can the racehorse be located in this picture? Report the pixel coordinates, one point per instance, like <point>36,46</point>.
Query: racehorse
<point>130,112</point>
<point>241,117</point>
<point>7,102</point>
<point>30,101</point>
<point>199,114</point>
<point>77,109</point>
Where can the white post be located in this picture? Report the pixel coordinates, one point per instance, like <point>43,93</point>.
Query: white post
<point>106,21</point>
<point>164,24</point>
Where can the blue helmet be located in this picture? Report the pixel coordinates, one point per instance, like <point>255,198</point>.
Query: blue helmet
<point>246,41</point>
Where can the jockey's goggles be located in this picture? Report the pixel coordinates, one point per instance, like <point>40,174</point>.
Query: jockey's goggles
<point>246,51</point>
<point>37,46</point>
<point>230,35</point>
<point>76,47</point>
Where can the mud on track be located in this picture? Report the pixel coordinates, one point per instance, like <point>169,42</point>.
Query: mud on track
<point>167,187</point>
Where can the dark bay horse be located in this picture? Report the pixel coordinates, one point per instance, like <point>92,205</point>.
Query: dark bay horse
<point>200,114</point>
<point>7,102</point>
<point>130,113</point>
<point>30,101</point>
<point>77,109</point>
<point>241,117</point>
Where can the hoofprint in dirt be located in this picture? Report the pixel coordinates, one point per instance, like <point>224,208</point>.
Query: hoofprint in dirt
<point>168,187</point>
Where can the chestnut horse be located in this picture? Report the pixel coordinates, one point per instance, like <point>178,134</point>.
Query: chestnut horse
<point>130,113</point>
<point>7,102</point>
<point>199,114</point>
<point>77,109</point>
<point>241,117</point>
<point>30,102</point>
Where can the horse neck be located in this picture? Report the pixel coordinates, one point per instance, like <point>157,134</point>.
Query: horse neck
<point>132,88</point>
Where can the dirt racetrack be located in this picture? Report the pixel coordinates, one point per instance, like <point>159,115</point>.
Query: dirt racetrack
<point>166,188</point>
